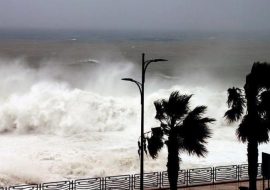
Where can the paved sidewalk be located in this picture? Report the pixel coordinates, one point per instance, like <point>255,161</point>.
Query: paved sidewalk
<point>227,186</point>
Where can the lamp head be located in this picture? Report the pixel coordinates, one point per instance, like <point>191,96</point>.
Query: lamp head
<point>157,60</point>
<point>128,79</point>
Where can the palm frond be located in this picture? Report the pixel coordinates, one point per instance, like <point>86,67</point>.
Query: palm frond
<point>263,132</point>
<point>195,126</point>
<point>160,112</point>
<point>232,115</point>
<point>243,131</point>
<point>194,148</point>
<point>177,105</point>
<point>155,142</point>
<point>198,111</point>
<point>157,131</point>
<point>264,104</point>
<point>195,131</point>
<point>250,128</point>
<point>236,103</point>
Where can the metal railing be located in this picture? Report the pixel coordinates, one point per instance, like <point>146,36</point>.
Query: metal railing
<point>152,180</point>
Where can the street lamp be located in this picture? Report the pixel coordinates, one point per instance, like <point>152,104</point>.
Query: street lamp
<point>140,85</point>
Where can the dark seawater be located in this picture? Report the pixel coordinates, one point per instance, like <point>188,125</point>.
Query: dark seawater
<point>205,58</point>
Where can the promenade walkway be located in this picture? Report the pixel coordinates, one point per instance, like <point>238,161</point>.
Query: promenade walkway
<point>227,186</point>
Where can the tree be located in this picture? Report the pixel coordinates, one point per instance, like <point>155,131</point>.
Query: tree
<point>254,127</point>
<point>180,129</point>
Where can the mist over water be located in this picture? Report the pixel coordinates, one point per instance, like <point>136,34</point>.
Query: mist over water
<point>65,113</point>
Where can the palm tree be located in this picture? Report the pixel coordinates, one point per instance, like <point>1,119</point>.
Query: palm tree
<point>180,129</point>
<point>254,127</point>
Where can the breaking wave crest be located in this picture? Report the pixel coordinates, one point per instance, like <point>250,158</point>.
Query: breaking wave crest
<point>52,100</point>
<point>57,109</point>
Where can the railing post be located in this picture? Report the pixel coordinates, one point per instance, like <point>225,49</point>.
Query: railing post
<point>102,183</point>
<point>187,174</point>
<point>71,187</point>
<point>238,173</point>
<point>213,175</point>
<point>131,182</point>
<point>160,180</point>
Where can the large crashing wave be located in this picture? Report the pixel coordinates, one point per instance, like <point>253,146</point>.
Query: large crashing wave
<point>62,98</point>
<point>52,108</point>
<point>59,98</point>
<point>61,120</point>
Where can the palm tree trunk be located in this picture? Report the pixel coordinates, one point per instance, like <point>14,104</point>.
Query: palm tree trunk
<point>173,161</point>
<point>252,150</point>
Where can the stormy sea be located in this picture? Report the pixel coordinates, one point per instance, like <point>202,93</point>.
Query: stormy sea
<point>65,113</point>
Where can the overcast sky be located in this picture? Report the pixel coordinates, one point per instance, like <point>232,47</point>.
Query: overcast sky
<point>136,14</point>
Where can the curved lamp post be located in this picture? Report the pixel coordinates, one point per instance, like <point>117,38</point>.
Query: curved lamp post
<point>140,85</point>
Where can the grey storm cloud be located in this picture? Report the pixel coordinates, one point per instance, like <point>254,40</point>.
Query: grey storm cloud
<point>136,14</point>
